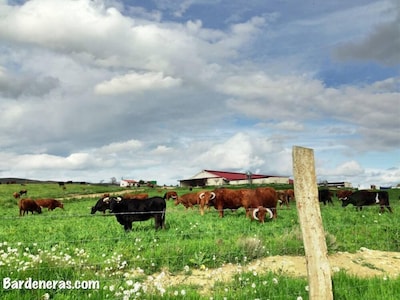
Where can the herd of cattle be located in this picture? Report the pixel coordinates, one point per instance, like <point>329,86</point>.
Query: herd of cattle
<point>260,203</point>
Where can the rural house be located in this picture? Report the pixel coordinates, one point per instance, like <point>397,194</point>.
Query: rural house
<point>215,178</point>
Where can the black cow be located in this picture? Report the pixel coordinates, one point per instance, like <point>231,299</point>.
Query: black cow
<point>128,211</point>
<point>363,197</point>
<point>101,205</point>
<point>325,196</point>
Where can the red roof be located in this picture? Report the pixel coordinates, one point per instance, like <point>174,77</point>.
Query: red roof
<point>235,175</point>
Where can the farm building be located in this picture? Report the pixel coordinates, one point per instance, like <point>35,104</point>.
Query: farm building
<point>215,178</point>
<point>127,183</point>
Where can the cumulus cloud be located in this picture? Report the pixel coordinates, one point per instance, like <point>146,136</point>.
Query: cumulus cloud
<point>134,82</point>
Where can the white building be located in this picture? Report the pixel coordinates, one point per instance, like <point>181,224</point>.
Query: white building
<point>127,183</point>
<point>215,178</point>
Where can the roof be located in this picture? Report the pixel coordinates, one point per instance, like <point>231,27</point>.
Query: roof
<point>129,180</point>
<point>235,175</point>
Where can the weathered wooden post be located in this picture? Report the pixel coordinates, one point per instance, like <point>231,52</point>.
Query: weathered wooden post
<point>306,191</point>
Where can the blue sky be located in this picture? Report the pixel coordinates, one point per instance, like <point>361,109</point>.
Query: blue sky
<point>91,90</point>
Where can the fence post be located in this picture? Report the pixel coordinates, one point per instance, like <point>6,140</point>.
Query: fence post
<point>306,191</point>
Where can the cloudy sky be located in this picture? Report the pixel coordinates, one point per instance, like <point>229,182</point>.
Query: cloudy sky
<point>162,89</point>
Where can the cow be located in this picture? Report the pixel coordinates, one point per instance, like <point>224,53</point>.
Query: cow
<point>23,192</point>
<point>50,203</point>
<point>204,198</point>
<point>16,195</point>
<point>101,205</point>
<point>170,195</point>
<point>282,198</point>
<point>341,194</point>
<point>325,196</point>
<point>128,211</point>
<point>259,213</point>
<point>28,205</point>
<point>129,196</point>
<point>364,197</point>
<point>246,198</point>
<point>188,200</point>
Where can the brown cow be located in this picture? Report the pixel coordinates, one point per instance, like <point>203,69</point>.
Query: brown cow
<point>342,194</point>
<point>16,195</point>
<point>188,200</point>
<point>28,205</point>
<point>260,213</point>
<point>246,198</point>
<point>170,195</point>
<point>51,204</point>
<point>129,196</point>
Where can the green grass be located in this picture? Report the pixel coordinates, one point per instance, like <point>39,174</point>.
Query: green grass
<point>72,245</point>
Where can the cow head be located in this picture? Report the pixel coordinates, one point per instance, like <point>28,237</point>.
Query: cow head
<point>260,212</point>
<point>113,201</point>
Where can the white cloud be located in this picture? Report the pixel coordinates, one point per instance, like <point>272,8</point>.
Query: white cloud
<point>134,82</point>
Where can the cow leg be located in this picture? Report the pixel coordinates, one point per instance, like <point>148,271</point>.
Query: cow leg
<point>128,226</point>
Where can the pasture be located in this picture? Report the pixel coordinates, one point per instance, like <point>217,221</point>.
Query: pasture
<point>71,245</point>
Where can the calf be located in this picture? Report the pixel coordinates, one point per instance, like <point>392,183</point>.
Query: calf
<point>128,211</point>
<point>363,197</point>
<point>28,205</point>
<point>23,192</point>
<point>51,204</point>
<point>16,195</point>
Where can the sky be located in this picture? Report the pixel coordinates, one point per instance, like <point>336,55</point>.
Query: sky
<point>163,89</point>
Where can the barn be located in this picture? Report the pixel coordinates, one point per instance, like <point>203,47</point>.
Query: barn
<point>216,178</point>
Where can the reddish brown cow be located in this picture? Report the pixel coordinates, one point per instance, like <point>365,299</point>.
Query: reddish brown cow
<point>204,198</point>
<point>260,213</point>
<point>342,194</point>
<point>170,195</point>
<point>135,196</point>
<point>28,205</point>
<point>51,204</point>
<point>16,195</point>
<point>246,198</point>
<point>268,198</point>
<point>188,200</point>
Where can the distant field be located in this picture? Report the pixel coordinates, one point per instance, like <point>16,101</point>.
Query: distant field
<point>72,244</point>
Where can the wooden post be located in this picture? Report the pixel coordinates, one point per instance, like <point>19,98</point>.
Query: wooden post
<point>306,191</point>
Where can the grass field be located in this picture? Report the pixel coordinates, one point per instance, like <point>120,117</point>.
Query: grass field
<point>72,244</point>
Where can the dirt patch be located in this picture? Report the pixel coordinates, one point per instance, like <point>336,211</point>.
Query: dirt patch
<point>364,263</point>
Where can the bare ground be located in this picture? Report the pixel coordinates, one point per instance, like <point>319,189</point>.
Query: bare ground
<point>364,263</point>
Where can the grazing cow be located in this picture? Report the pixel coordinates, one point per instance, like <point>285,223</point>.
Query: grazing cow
<point>128,211</point>
<point>246,198</point>
<point>364,197</point>
<point>23,192</point>
<point>101,205</point>
<point>51,204</point>
<point>282,198</point>
<point>16,195</point>
<point>325,196</point>
<point>170,195</point>
<point>28,205</point>
<point>290,195</point>
<point>188,200</point>
<point>259,213</point>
